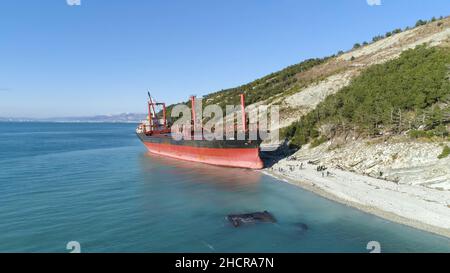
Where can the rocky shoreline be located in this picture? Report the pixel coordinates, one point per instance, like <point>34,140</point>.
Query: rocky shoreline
<point>419,196</point>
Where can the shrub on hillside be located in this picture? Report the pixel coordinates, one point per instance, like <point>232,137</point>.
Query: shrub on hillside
<point>445,152</point>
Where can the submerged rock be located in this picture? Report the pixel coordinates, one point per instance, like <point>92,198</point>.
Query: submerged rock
<point>302,227</point>
<point>250,218</point>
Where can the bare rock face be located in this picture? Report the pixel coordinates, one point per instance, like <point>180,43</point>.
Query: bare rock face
<point>403,162</point>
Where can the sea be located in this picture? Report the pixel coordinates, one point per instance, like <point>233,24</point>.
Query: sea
<point>93,187</point>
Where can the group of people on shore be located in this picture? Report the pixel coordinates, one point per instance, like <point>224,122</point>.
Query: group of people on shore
<point>321,168</point>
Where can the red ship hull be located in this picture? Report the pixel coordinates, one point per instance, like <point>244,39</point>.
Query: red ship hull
<point>215,153</point>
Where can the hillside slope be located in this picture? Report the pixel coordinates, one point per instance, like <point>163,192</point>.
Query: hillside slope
<point>298,89</point>
<point>410,93</point>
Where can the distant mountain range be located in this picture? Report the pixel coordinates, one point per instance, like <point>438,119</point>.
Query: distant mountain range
<point>119,118</point>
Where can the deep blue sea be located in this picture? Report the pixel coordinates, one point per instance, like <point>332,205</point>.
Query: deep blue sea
<point>97,185</point>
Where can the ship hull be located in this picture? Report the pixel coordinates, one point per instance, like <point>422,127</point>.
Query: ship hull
<point>228,153</point>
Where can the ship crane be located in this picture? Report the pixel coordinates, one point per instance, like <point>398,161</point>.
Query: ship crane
<point>155,125</point>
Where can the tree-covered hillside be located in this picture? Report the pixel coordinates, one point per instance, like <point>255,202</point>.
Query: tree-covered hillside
<point>411,93</point>
<point>263,88</point>
<point>288,80</point>
<point>266,87</point>
<point>376,113</point>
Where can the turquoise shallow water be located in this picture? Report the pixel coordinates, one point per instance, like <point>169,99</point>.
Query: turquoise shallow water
<point>96,184</point>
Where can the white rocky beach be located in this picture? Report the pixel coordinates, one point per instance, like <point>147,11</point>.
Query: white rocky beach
<point>402,182</point>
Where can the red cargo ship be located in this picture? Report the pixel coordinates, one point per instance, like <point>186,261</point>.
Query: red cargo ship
<point>156,135</point>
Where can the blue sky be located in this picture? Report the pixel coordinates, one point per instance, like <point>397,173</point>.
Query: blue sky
<point>100,57</point>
